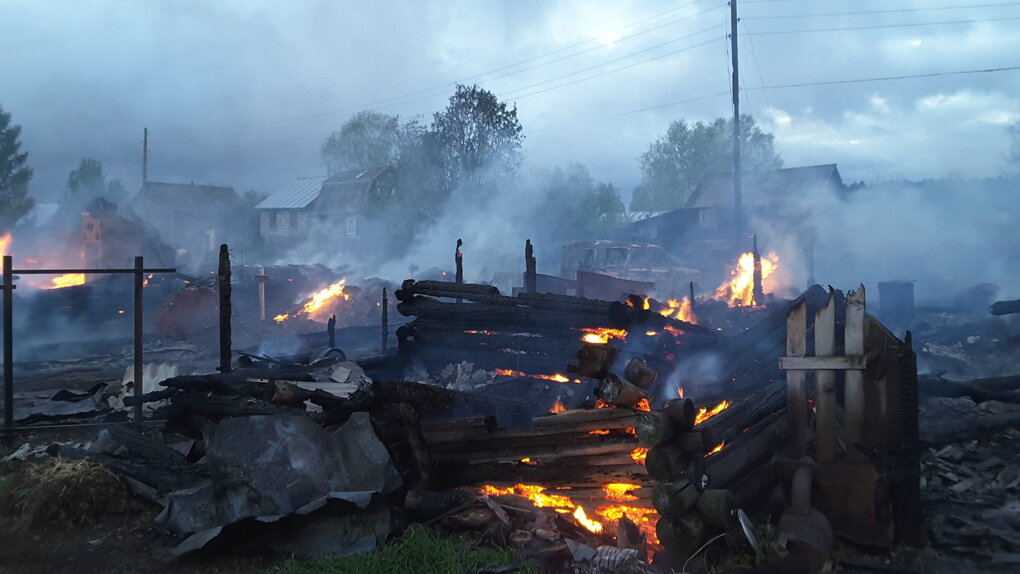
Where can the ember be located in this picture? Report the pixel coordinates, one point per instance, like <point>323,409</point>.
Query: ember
<point>557,407</point>
<point>639,455</point>
<point>618,491</point>
<point>716,449</point>
<point>602,335</point>
<point>679,310</point>
<point>557,377</point>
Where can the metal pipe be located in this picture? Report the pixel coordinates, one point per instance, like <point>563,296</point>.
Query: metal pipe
<point>139,290</point>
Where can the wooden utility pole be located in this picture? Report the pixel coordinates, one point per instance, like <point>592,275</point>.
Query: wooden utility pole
<point>224,289</point>
<point>738,210</point>
<point>530,274</point>
<point>458,260</point>
<point>145,157</point>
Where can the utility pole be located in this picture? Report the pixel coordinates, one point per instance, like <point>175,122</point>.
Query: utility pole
<point>738,210</point>
<point>145,157</point>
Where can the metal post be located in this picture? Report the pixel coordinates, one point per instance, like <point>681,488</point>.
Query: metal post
<point>385,319</point>
<point>139,286</point>
<point>261,278</point>
<point>224,289</point>
<point>8,349</point>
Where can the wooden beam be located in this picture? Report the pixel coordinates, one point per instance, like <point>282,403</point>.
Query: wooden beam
<point>848,363</point>
<point>854,399</point>
<point>796,395</point>
<point>825,390</point>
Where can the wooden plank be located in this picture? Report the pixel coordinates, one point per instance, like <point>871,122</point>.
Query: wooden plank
<point>848,363</point>
<point>825,390</point>
<point>796,396</point>
<point>854,399</point>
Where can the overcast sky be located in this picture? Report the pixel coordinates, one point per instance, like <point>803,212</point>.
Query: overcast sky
<point>242,93</point>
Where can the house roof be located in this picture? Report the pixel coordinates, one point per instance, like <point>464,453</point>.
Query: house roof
<point>297,194</point>
<point>716,189</point>
<point>345,191</point>
<point>166,197</point>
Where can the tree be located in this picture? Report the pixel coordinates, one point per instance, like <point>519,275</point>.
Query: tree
<point>576,204</point>
<point>675,163</point>
<point>1014,150</point>
<point>89,181</point>
<point>14,174</point>
<point>478,138</point>
<point>369,139</point>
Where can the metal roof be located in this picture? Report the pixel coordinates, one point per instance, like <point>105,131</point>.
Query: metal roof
<point>297,194</point>
<point>716,189</point>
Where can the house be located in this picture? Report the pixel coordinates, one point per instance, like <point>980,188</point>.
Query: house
<point>195,219</point>
<point>333,208</point>
<point>704,227</point>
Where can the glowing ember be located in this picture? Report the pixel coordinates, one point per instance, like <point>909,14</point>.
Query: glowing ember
<point>618,491</point>
<point>704,414</point>
<point>601,336</point>
<point>557,407</point>
<point>532,492</point>
<point>643,405</point>
<point>717,448</point>
<point>557,377</point>
<point>739,290</point>
<point>644,518</point>
<point>281,318</point>
<point>599,432</point>
<point>639,455</point>
<point>68,280</point>
<point>601,404</point>
<point>469,332</point>
<point>586,522</point>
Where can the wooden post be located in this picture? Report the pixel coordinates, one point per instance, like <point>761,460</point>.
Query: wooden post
<point>139,371</point>
<point>459,261</point>
<point>757,292</point>
<point>224,291</point>
<point>331,331</point>
<point>825,390</point>
<point>692,298</point>
<point>8,349</point>
<point>796,395</point>
<point>854,399</point>
<point>385,319</point>
<point>530,275</point>
<point>262,278</point>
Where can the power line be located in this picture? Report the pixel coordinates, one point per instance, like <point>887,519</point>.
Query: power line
<point>871,12</point>
<point>881,26</point>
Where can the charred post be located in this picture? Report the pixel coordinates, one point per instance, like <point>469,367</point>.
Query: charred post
<point>8,349</point>
<point>758,292</point>
<point>138,367</point>
<point>530,273</point>
<point>223,282</point>
<point>331,331</point>
<point>385,319</point>
<point>458,259</point>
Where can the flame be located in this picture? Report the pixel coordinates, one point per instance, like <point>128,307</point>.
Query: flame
<point>583,520</point>
<point>643,405</point>
<point>716,449</point>
<point>599,432</point>
<point>281,318</point>
<point>320,304</point>
<point>680,391</point>
<point>639,455</point>
<point>557,407</point>
<point>469,332</point>
<point>120,311</point>
<point>644,518</point>
<point>5,243</point>
<point>618,491</point>
<point>67,280</point>
<point>645,303</point>
<point>557,377</point>
<point>704,414</point>
<point>739,290</point>
<point>601,404</point>
<point>682,310</point>
<point>601,335</point>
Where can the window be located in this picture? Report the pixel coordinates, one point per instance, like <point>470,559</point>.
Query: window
<point>352,226</point>
<point>707,219</point>
<point>270,220</point>
<point>281,219</point>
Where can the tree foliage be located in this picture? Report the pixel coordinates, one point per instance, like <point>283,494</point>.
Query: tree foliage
<point>1013,157</point>
<point>477,138</point>
<point>369,139</point>
<point>576,203</point>
<point>676,162</point>
<point>14,174</point>
<point>88,181</point>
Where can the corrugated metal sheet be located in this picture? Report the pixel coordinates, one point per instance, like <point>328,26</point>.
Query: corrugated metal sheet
<point>297,194</point>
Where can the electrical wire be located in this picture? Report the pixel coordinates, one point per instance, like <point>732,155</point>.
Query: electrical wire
<point>885,26</point>
<point>870,12</point>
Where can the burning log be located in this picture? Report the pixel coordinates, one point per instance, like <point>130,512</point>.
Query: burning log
<point>717,508</point>
<point>675,417</point>
<point>666,462</point>
<point>697,441</point>
<point>585,420</point>
<point>619,392</point>
<point>639,373</point>
<point>593,360</point>
<point>681,534</point>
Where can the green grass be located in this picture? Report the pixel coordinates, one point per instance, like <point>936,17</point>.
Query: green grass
<point>420,550</point>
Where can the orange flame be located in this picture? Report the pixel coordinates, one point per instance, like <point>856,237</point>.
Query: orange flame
<point>281,318</point>
<point>680,391</point>
<point>586,522</point>
<point>320,304</point>
<point>639,455</point>
<point>716,449</point>
<point>680,310</point>
<point>5,243</point>
<point>536,494</point>
<point>619,491</point>
<point>599,432</point>
<point>643,405</point>
<point>557,377</point>
<point>67,280</point>
<point>602,335</point>
<point>704,414</point>
<point>557,407</point>
<point>644,518</point>
<point>739,290</point>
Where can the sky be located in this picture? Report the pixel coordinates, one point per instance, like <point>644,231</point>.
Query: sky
<point>243,92</point>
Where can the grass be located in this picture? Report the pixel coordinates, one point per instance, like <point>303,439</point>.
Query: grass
<point>421,550</point>
<point>61,492</point>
